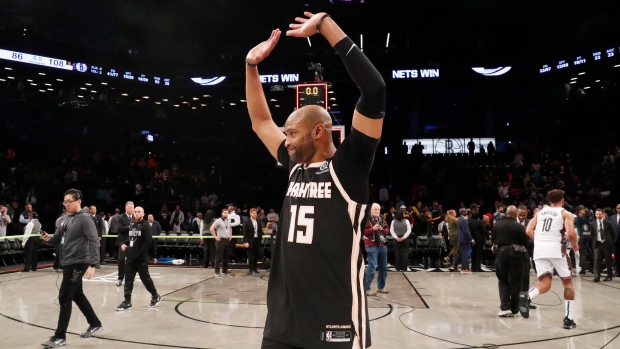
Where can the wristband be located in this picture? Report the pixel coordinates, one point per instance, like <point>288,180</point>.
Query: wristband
<point>250,64</point>
<point>318,25</point>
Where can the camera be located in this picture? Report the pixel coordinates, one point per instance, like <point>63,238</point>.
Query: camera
<point>377,235</point>
<point>315,66</point>
<point>382,224</point>
<point>318,69</point>
<point>383,239</point>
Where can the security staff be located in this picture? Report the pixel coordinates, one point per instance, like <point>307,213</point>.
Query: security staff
<point>136,247</point>
<point>508,265</point>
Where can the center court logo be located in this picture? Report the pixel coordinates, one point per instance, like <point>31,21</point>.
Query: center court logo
<point>492,71</point>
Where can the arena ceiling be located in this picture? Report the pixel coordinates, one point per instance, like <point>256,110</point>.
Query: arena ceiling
<point>209,38</point>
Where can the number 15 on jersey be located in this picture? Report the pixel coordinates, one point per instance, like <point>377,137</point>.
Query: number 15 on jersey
<point>299,219</point>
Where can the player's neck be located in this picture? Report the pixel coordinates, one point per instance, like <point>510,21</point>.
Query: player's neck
<point>322,154</point>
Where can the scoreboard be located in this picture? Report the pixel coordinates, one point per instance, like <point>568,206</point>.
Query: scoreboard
<point>312,94</point>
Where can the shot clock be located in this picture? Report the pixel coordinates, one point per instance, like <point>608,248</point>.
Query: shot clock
<point>312,94</point>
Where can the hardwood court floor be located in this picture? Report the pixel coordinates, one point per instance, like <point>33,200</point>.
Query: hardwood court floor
<point>423,310</point>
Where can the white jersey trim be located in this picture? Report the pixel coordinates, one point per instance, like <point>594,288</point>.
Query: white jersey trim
<point>358,303</point>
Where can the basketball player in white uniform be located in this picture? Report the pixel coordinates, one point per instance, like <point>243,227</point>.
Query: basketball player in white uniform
<point>315,297</point>
<point>547,229</point>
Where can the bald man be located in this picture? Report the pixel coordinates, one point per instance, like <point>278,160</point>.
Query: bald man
<point>316,265</point>
<point>136,246</point>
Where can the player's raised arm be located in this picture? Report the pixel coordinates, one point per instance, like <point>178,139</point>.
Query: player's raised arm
<point>370,108</point>
<point>262,122</point>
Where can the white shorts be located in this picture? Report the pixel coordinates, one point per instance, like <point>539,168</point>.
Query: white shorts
<point>561,266</point>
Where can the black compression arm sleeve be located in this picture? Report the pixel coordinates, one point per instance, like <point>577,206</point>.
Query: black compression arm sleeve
<point>366,77</point>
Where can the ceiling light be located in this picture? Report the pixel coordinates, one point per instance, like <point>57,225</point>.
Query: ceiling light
<point>104,83</point>
<point>93,91</point>
<point>330,91</point>
<point>145,97</point>
<point>195,98</point>
<point>124,94</point>
<point>203,105</point>
<point>587,87</point>
<point>59,80</point>
<point>573,78</point>
<point>157,102</point>
<point>582,73</point>
<point>7,68</point>
<point>41,90</point>
<point>82,88</point>
<point>232,103</point>
<point>176,105</point>
<point>164,100</point>
<point>332,99</point>
<point>88,84</point>
<point>41,73</point>
<point>206,95</point>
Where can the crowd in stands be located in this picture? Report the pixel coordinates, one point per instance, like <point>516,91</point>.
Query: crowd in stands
<point>46,150</point>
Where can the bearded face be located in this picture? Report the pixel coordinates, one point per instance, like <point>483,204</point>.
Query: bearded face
<point>301,149</point>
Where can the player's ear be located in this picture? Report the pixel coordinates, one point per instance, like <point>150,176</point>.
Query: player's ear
<point>319,129</point>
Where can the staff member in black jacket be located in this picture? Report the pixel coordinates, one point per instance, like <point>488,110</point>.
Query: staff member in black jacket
<point>479,233</point>
<point>252,237</point>
<point>79,249</point>
<point>155,231</point>
<point>603,244</point>
<point>123,224</point>
<point>100,232</point>
<point>136,248</point>
<point>509,267</point>
<point>522,219</point>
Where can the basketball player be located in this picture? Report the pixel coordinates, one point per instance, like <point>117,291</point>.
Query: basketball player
<point>315,296</point>
<point>547,230</point>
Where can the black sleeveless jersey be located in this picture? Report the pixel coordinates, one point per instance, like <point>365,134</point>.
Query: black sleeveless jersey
<point>316,293</point>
